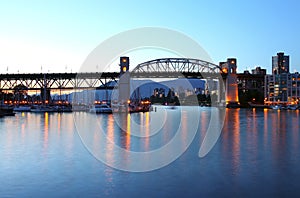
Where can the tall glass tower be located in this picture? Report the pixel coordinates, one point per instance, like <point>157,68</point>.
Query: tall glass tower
<point>280,64</point>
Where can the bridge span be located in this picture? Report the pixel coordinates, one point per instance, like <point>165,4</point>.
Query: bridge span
<point>158,68</point>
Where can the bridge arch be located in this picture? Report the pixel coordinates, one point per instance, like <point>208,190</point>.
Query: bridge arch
<point>182,65</point>
<point>194,68</point>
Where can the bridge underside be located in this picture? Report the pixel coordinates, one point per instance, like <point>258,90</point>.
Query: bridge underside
<point>64,81</point>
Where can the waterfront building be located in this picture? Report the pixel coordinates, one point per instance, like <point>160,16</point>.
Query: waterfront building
<point>251,86</point>
<point>258,71</point>
<point>282,87</point>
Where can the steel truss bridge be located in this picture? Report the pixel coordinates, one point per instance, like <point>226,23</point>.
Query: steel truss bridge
<point>159,68</point>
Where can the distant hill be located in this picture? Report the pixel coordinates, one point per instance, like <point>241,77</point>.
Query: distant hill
<point>143,89</point>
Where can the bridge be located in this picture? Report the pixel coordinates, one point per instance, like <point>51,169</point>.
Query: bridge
<point>158,68</point>
<point>69,81</point>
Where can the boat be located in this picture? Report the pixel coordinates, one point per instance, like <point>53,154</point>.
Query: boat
<point>172,108</point>
<point>131,107</point>
<point>233,105</point>
<point>256,105</point>
<point>63,108</point>
<point>102,108</point>
<point>276,107</point>
<point>292,107</point>
<point>22,108</point>
<point>119,108</point>
<point>7,111</point>
<point>42,109</point>
<point>139,107</point>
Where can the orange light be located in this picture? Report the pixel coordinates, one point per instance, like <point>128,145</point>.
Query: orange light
<point>224,70</point>
<point>46,101</point>
<point>124,60</point>
<point>124,69</point>
<point>128,101</point>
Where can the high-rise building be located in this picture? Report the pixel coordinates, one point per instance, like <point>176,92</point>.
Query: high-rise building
<point>282,87</point>
<point>280,64</point>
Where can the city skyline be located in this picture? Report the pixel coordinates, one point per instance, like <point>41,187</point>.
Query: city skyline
<point>58,36</point>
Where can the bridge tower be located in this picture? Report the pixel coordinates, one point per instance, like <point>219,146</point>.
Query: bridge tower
<point>231,87</point>
<point>124,81</point>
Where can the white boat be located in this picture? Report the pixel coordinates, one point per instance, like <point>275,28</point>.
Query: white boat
<point>103,108</point>
<point>22,108</point>
<point>276,107</point>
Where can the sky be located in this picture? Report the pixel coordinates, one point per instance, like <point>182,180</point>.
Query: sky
<point>57,36</point>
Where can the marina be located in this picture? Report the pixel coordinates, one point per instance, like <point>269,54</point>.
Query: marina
<point>42,153</point>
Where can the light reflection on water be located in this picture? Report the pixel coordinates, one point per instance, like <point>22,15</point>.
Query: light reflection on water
<point>258,153</point>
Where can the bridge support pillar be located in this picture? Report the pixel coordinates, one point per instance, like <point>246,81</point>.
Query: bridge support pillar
<point>45,92</point>
<point>231,87</point>
<point>221,93</point>
<point>124,81</point>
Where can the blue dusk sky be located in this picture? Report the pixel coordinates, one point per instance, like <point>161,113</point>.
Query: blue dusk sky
<point>57,36</point>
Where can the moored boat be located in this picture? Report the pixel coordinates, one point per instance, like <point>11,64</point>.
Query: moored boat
<point>119,108</point>
<point>102,108</point>
<point>7,111</point>
<point>276,107</point>
<point>256,105</point>
<point>292,107</point>
<point>42,109</point>
<point>143,106</point>
<point>22,108</point>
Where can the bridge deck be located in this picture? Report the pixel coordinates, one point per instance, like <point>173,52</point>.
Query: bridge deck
<point>69,81</point>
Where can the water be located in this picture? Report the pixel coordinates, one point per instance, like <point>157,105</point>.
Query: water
<point>257,154</point>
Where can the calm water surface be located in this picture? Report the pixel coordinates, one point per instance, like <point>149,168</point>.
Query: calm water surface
<point>257,154</point>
